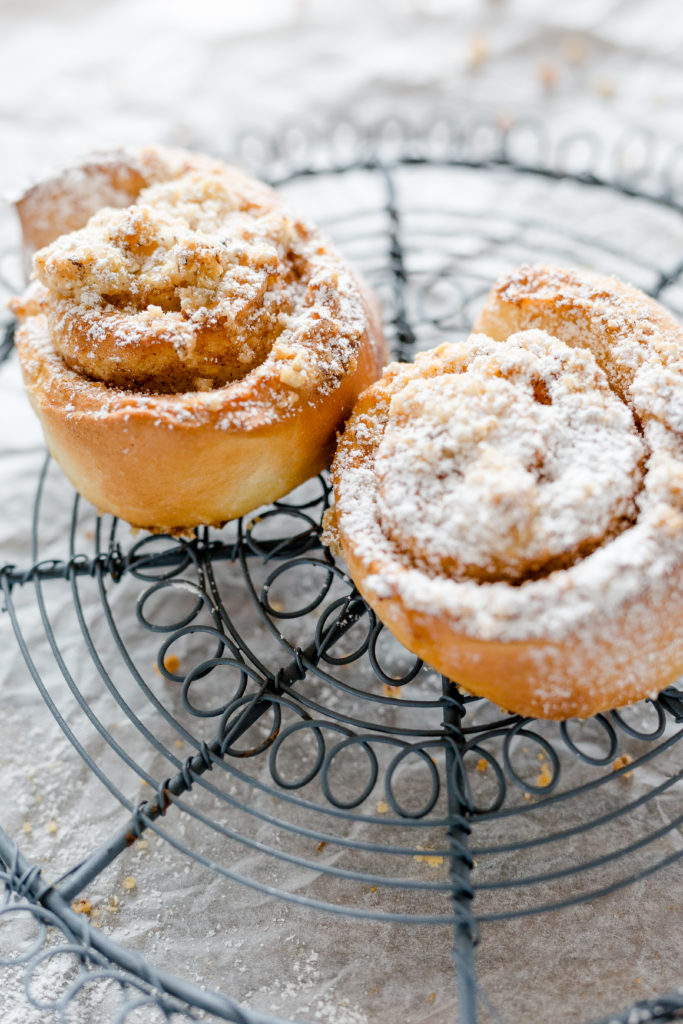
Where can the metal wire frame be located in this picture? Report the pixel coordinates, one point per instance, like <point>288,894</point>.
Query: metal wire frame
<point>100,961</point>
<point>278,690</point>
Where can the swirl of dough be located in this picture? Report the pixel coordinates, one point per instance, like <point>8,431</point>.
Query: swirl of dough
<point>183,291</point>
<point>515,461</point>
<point>190,355</point>
<point>512,506</point>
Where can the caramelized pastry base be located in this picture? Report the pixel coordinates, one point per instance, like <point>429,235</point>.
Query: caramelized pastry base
<point>168,463</point>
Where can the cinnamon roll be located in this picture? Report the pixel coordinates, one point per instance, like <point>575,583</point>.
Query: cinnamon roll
<point>191,354</point>
<point>512,506</point>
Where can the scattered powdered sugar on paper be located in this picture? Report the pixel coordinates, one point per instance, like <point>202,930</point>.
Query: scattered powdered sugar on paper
<point>304,986</point>
<point>96,1001</point>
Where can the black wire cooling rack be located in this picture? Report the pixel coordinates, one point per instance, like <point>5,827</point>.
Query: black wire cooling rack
<point>317,744</point>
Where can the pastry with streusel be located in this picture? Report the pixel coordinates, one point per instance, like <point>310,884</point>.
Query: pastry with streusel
<point>512,505</point>
<point>191,346</point>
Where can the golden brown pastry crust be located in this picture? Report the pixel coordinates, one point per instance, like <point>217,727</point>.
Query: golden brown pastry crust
<point>605,630</point>
<point>149,450</point>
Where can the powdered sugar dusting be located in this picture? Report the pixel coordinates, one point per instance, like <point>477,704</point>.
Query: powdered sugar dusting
<point>207,285</point>
<point>402,452</point>
<point>637,343</point>
<point>516,464</point>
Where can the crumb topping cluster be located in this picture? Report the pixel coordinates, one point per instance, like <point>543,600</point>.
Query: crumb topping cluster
<point>516,460</point>
<point>529,482</point>
<point>199,283</point>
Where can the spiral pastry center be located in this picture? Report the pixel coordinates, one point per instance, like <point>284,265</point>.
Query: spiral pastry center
<point>509,461</point>
<point>187,289</point>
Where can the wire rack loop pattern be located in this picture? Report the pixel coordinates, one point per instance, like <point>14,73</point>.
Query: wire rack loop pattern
<point>324,728</point>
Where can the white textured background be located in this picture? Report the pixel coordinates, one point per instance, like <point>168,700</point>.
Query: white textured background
<point>77,75</point>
